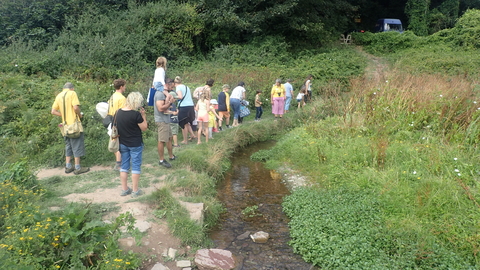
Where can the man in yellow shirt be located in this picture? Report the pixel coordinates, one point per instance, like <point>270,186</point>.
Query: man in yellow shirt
<point>67,106</point>
<point>117,101</point>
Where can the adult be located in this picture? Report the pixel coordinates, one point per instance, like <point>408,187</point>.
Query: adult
<point>117,101</point>
<point>67,106</point>
<point>308,87</point>
<point>277,96</point>
<point>223,100</point>
<point>288,94</point>
<point>238,94</point>
<point>207,89</point>
<point>131,120</point>
<point>164,132</point>
<point>186,111</point>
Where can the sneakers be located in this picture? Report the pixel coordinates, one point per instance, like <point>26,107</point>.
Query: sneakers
<point>173,158</point>
<point>69,170</point>
<point>164,163</point>
<point>81,170</point>
<point>126,192</point>
<point>220,129</point>
<point>137,193</point>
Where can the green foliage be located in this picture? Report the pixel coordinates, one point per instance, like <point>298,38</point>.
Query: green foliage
<point>19,174</point>
<point>32,237</point>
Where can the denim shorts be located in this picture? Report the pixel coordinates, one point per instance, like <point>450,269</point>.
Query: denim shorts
<point>131,155</point>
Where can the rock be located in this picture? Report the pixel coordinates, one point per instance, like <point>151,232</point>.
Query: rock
<point>159,266</point>
<point>142,226</point>
<point>260,237</point>
<point>172,253</point>
<point>195,210</point>
<point>214,259</point>
<point>243,236</point>
<point>184,263</point>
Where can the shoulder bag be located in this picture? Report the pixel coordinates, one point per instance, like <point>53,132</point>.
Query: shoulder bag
<point>114,142</point>
<point>70,131</point>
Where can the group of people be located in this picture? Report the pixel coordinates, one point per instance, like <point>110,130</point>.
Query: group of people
<point>174,107</point>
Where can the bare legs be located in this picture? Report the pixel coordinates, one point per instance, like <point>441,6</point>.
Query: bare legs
<point>202,127</point>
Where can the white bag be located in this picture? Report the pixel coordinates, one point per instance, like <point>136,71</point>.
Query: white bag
<point>102,109</point>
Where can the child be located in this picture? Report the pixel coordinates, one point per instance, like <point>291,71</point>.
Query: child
<point>300,98</point>
<point>174,120</point>
<point>159,78</point>
<point>258,106</point>
<point>202,108</point>
<point>212,118</point>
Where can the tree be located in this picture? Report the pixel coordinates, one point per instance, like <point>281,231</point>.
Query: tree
<point>418,14</point>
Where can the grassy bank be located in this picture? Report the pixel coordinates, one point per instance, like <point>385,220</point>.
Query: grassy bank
<point>394,180</point>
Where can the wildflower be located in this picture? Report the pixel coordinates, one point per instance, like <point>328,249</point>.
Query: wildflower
<point>459,174</point>
<point>414,172</point>
<point>474,102</point>
<point>455,158</point>
<point>118,260</point>
<point>441,95</point>
<point>456,170</point>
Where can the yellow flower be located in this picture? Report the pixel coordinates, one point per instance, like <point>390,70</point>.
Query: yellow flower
<point>118,260</point>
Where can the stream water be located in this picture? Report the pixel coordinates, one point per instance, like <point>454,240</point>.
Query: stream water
<point>253,195</point>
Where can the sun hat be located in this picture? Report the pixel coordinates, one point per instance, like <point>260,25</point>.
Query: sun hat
<point>213,102</point>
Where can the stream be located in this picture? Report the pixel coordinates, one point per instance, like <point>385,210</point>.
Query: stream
<point>252,196</point>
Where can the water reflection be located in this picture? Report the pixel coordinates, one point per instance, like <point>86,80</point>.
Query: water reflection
<point>246,186</point>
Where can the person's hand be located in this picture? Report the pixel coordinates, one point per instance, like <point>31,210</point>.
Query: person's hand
<point>142,111</point>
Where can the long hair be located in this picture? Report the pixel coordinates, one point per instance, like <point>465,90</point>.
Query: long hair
<point>161,62</point>
<point>134,100</point>
<point>178,79</point>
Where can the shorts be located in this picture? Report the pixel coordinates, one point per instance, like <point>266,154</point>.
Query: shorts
<point>164,132</point>
<point>222,114</point>
<point>186,115</point>
<point>75,147</point>
<point>203,118</point>
<point>133,156</point>
<point>174,128</point>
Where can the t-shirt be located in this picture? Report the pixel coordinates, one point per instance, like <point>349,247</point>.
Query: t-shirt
<point>185,92</point>
<point>116,101</point>
<point>309,85</point>
<point>288,90</point>
<point>278,91</point>
<point>160,116</point>
<point>300,96</point>
<point>159,76</point>
<point>128,129</point>
<point>257,101</point>
<point>223,102</point>
<point>237,92</point>
<point>71,99</point>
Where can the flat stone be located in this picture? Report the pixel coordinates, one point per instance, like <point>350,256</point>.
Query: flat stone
<point>172,253</point>
<point>159,266</point>
<point>195,210</point>
<point>260,237</point>
<point>142,226</point>
<point>244,235</point>
<point>214,259</point>
<point>184,263</point>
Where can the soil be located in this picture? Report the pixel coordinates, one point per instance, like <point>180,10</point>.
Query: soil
<point>158,238</point>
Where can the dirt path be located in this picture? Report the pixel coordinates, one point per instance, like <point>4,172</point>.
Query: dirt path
<point>158,237</point>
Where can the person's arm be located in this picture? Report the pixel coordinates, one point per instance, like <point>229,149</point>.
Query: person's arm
<point>144,125</point>
<point>283,92</point>
<point>56,112</point>
<point>179,94</point>
<point>243,94</point>
<point>76,108</point>
<point>162,105</point>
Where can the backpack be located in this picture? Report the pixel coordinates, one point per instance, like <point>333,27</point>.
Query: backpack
<point>198,92</point>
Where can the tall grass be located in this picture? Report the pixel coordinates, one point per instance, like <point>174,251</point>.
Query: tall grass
<point>407,144</point>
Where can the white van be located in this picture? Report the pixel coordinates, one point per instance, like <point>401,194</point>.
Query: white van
<point>385,25</point>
